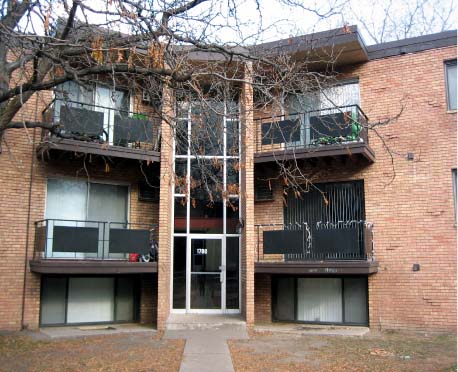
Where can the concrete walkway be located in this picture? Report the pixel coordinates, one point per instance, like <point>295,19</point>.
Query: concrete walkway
<point>99,330</point>
<point>206,338</point>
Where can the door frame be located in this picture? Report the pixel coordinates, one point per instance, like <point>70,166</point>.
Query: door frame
<point>222,239</point>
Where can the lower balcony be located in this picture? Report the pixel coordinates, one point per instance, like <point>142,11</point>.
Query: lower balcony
<point>344,247</point>
<point>94,247</point>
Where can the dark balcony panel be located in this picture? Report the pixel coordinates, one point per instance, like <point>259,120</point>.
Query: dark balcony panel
<point>129,241</point>
<point>337,242</point>
<point>280,132</point>
<point>331,125</point>
<point>75,239</point>
<point>283,242</point>
<point>128,130</point>
<point>81,121</point>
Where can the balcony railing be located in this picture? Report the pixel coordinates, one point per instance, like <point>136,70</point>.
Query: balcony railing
<point>92,123</point>
<point>325,241</point>
<point>94,240</point>
<point>312,130</point>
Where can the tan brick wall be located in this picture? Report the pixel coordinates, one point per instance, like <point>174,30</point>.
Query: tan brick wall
<point>263,298</point>
<point>15,170</point>
<point>148,299</point>
<point>412,213</point>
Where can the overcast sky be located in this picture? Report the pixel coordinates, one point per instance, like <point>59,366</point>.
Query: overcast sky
<point>381,20</point>
<point>269,20</point>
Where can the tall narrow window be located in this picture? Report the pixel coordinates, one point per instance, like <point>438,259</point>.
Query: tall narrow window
<point>206,202</point>
<point>450,77</point>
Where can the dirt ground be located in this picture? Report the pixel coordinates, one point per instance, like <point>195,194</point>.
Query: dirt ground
<point>266,352</point>
<point>137,352</point>
<point>373,352</point>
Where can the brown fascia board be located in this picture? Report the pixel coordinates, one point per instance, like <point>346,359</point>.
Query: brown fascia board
<point>344,41</point>
<point>412,45</point>
<point>198,55</point>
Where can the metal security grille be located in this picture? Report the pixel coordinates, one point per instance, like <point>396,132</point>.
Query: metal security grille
<point>328,202</point>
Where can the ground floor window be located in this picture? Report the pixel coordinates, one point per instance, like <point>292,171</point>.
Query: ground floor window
<point>320,300</point>
<point>80,300</point>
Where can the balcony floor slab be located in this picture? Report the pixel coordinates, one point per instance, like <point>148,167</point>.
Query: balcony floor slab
<point>69,145</point>
<point>55,266</point>
<point>317,267</point>
<point>356,149</point>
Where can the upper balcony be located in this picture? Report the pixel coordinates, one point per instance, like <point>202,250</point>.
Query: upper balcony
<point>99,130</point>
<point>94,247</point>
<point>345,247</point>
<point>335,132</point>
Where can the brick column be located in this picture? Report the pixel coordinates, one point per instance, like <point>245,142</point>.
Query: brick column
<point>247,199</point>
<point>165,211</point>
<point>263,298</point>
<point>148,299</point>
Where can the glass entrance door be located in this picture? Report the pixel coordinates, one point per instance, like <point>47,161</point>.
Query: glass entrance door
<point>207,274</point>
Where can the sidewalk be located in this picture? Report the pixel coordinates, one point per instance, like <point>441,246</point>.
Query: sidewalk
<point>206,346</point>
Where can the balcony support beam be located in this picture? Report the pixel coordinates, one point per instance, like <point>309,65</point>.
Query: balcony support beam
<point>98,267</point>
<point>67,145</point>
<point>318,268</point>
<point>351,150</point>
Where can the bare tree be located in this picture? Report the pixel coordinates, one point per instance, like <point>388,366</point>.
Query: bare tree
<point>390,20</point>
<point>197,48</point>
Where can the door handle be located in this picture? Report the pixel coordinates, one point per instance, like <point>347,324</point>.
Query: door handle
<point>221,274</point>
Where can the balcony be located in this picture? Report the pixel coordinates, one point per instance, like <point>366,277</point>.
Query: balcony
<point>324,249</point>
<point>94,247</point>
<point>91,129</point>
<point>336,132</point>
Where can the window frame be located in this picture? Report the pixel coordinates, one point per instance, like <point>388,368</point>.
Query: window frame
<point>447,64</point>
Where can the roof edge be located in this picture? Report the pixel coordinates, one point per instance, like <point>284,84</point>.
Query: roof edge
<point>412,45</point>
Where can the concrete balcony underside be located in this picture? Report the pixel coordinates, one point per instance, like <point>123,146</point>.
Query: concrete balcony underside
<point>58,266</point>
<point>317,268</point>
<point>52,145</point>
<point>351,150</point>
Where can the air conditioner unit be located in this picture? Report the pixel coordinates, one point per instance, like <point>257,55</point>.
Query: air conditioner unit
<point>263,191</point>
<point>146,96</point>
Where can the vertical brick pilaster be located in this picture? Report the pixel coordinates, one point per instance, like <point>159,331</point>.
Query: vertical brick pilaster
<point>165,211</point>
<point>247,200</point>
<point>263,298</point>
<point>148,299</point>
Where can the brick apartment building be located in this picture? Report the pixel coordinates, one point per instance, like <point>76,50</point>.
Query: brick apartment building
<point>372,243</point>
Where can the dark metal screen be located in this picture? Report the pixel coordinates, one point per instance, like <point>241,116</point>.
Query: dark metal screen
<point>81,121</point>
<point>128,130</point>
<point>75,239</point>
<point>129,241</point>
<point>331,211</point>
<point>280,132</point>
<point>330,202</point>
<point>283,242</point>
<point>332,125</point>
